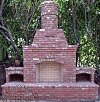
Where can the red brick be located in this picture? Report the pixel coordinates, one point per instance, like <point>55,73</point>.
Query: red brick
<point>50,45</point>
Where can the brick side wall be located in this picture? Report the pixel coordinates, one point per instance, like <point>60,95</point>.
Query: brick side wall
<point>13,70</point>
<point>86,70</point>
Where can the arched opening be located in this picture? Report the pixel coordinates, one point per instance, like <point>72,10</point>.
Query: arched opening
<point>49,72</point>
<point>16,77</point>
<point>83,77</point>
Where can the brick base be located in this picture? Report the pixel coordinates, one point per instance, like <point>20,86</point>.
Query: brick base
<point>73,91</point>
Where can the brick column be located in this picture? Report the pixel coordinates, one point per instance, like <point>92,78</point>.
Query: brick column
<point>49,15</point>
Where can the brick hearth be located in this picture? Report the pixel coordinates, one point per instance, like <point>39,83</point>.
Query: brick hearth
<point>67,91</point>
<point>49,70</point>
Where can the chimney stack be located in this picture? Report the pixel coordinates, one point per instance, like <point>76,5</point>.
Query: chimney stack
<point>49,15</point>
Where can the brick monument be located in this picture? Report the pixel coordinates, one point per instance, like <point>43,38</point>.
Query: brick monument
<point>49,70</point>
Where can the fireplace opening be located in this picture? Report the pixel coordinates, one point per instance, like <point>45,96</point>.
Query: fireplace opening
<point>49,72</point>
<point>16,77</point>
<point>83,77</point>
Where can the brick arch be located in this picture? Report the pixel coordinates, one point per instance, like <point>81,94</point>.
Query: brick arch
<point>49,71</point>
<point>49,60</point>
<point>16,77</point>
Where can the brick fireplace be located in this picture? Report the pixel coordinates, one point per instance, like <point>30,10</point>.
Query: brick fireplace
<point>49,70</point>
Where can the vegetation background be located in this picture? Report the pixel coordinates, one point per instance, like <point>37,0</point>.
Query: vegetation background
<point>80,20</point>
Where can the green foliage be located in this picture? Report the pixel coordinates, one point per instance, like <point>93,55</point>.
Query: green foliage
<point>3,48</point>
<point>80,21</point>
<point>22,19</point>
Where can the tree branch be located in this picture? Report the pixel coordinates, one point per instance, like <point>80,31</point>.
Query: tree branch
<point>8,37</point>
<point>1,9</point>
<point>5,32</point>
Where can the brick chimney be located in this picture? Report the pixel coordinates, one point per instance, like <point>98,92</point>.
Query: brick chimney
<point>49,15</point>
